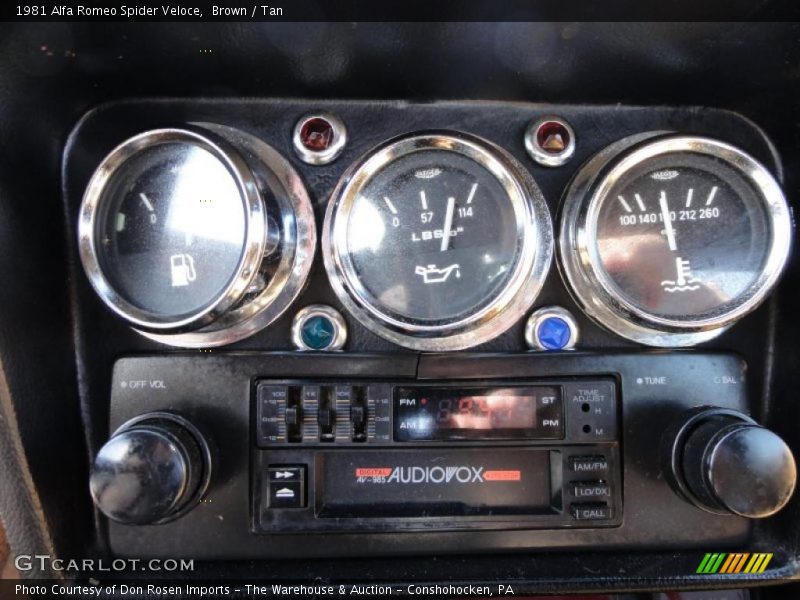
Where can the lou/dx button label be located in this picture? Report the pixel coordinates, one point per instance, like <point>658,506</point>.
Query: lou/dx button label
<point>590,489</point>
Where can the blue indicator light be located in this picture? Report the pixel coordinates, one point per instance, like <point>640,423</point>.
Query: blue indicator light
<point>317,332</point>
<point>554,333</point>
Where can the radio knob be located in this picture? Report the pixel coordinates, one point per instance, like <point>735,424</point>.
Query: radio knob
<point>724,462</point>
<point>152,470</point>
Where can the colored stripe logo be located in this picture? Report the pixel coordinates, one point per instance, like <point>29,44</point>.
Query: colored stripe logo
<point>502,476</point>
<point>373,472</point>
<point>733,563</point>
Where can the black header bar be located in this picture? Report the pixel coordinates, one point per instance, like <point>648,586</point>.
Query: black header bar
<point>394,10</point>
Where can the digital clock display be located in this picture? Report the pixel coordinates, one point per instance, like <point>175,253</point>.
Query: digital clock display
<point>444,413</point>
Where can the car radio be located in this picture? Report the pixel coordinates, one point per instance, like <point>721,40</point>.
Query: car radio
<point>335,456</point>
<point>257,454</point>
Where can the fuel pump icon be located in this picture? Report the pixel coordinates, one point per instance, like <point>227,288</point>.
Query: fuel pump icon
<point>182,270</point>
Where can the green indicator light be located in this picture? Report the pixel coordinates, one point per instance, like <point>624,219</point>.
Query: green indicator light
<point>318,332</point>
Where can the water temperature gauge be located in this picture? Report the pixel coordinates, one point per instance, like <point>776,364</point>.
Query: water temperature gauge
<point>197,236</point>
<point>437,241</point>
<point>667,240</point>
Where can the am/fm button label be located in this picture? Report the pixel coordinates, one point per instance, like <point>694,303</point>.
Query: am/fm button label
<point>588,464</point>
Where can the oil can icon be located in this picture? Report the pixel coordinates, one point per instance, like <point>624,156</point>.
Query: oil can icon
<point>182,269</point>
<point>431,274</point>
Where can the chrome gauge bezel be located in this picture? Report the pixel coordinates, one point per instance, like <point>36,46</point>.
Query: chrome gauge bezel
<point>242,312</point>
<point>592,286</point>
<point>252,247</point>
<point>532,262</point>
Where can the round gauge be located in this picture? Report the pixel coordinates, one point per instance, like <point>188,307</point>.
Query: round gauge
<point>437,241</point>
<point>173,232</point>
<point>179,234</point>
<point>667,240</point>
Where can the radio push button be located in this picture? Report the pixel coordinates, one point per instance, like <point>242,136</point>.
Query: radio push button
<point>286,486</point>
<point>588,464</point>
<point>286,473</point>
<point>590,512</point>
<point>590,489</point>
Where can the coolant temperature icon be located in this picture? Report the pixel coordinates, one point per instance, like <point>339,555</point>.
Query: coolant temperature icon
<point>685,281</point>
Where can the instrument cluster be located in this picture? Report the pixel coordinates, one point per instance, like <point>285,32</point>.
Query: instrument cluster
<point>203,234</point>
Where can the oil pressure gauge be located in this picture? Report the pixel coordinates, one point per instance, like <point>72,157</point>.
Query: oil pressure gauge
<point>437,241</point>
<point>667,239</point>
<point>197,236</point>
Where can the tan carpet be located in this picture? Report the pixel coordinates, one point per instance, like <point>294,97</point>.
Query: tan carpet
<point>7,570</point>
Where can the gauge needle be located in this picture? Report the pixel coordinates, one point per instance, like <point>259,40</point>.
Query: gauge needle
<point>667,222</point>
<point>448,223</point>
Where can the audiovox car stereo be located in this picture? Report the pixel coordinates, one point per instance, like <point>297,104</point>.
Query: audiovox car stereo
<point>375,456</point>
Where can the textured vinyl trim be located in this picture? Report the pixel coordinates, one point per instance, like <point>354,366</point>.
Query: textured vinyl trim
<point>20,508</point>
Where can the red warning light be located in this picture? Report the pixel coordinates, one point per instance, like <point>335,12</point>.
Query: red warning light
<point>316,134</point>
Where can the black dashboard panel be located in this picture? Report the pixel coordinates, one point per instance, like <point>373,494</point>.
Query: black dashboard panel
<point>225,510</point>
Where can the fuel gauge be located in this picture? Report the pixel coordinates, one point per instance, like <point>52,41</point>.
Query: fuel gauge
<point>196,236</point>
<point>174,211</point>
